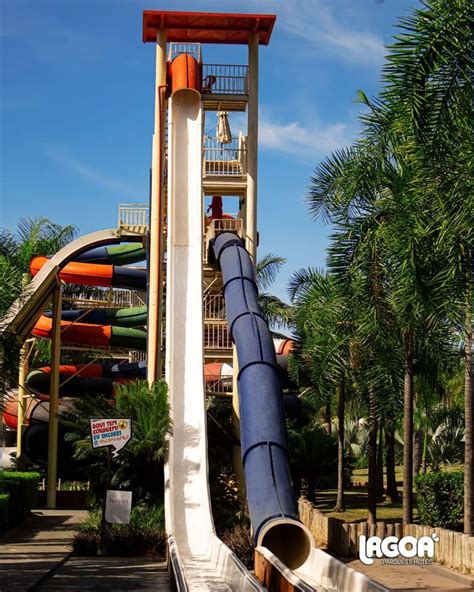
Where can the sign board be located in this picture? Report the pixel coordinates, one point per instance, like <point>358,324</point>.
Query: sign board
<point>118,506</point>
<point>111,432</point>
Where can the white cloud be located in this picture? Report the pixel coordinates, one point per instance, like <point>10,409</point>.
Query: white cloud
<point>60,155</point>
<point>316,22</point>
<point>306,141</point>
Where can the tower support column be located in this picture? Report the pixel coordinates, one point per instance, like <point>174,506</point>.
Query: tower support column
<point>155,279</point>
<point>52,473</point>
<point>252,151</point>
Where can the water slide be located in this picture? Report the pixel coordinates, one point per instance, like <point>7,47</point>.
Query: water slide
<point>200,560</point>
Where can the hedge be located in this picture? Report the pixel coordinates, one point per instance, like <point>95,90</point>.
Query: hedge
<point>440,499</point>
<point>4,497</point>
<point>22,488</point>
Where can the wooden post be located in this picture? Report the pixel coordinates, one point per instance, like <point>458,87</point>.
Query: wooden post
<point>155,288</point>
<point>53,400</point>
<point>21,409</point>
<point>252,151</point>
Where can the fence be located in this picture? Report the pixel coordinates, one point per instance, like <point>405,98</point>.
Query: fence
<point>454,549</point>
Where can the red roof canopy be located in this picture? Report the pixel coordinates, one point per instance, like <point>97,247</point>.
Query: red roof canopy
<point>207,27</point>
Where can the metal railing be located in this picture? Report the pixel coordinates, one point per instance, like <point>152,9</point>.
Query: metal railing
<point>214,306</point>
<point>224,159</point>
<point>109,298</point>
<point>133,215</point>
<point>225,79</point>
<point>220,386</point>
<point>193,49</point>
<point>216,336</point>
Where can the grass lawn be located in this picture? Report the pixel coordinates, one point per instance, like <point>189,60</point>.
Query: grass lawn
<point>356,506</point>
<point>356,499</point>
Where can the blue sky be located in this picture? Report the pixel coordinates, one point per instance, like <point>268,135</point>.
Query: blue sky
<point>76,107</point>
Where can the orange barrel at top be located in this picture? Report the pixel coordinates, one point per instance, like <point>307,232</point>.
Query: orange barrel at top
<point>185,73</point>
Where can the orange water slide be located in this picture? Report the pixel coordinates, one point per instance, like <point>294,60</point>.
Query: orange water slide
<point>86,274</point>
<point>95,335</point>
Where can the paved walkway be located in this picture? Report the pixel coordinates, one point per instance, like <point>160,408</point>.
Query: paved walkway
<point>36,556</point>
<point>40,544</point>
<point>114,574</point>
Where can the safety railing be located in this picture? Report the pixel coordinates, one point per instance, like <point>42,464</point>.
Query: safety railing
<point>216,336</point>
<point>193,49</point>
<point>133,216</point>
<point>218,226</point>
<point>214,306</point>
<point>220,386</point>
<point>108,298</point>
<point>224,159</point>
<point>225,79</point>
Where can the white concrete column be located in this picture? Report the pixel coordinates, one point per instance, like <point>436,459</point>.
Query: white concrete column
<point>252,151</point>
<point>52,472</point>
<point>236,449</point>
<point>156,210</point>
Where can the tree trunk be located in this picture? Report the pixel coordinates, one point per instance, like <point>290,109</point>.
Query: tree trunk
<point>417,441</point>
<point>379,472</point>
<point>328,417</point>
<point>468,419</point>
<point>372,458</point>
<point>392,491</point>
<point>408,431</point>
<point>424,460</point>
<point>340,447</point>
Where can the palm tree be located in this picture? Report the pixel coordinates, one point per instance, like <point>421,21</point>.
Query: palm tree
<point>34,236</point>
<point>429,81</point>
<point>140,464</point>
<point>275,311</point>
<point>322,327</point>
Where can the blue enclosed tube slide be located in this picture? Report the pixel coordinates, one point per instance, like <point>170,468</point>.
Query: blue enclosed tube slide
<point>270,495</point>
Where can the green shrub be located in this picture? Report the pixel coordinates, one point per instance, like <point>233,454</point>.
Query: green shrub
<point>4,497</point>
<point>440,497</point>
<point>145,535</point>
<point>23,489</point>
<point>129,541</point>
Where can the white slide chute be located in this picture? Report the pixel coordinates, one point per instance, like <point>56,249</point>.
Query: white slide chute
<point>200,560</point>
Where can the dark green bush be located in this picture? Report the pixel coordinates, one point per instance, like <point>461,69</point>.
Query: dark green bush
<point>129,541</point>
<point>86,542</point>
<point>440,497</point>
<point>23,489</point>
<point>145,535</point>
<point>4,497</point>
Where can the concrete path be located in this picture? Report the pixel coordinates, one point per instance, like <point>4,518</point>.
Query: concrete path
<point>114,574</point>
<point>40,544</point>
<point>37,556</point>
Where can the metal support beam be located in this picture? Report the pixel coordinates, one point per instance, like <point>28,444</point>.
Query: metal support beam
<point>52,473</point>
<point>156,217</point>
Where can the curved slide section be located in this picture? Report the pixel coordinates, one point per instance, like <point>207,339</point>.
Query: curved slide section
<point>96,274</point>
<point>270,495</point>
<point>197,555</point>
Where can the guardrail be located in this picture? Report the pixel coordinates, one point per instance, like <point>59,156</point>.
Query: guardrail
<point>225,79</point>
<point>193,49</point>
<point>224,159</point>
<point>133,215</point>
